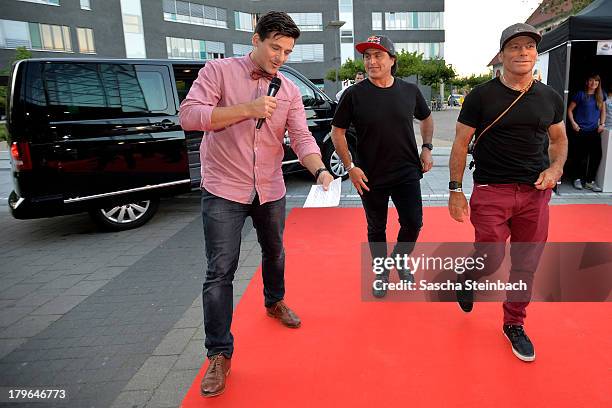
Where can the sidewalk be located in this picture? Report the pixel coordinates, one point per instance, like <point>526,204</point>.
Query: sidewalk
<point>4,156</point>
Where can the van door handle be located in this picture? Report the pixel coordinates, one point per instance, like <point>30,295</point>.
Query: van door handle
<point>164,124</point>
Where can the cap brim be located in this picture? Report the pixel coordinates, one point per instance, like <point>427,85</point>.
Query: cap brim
<point>361,47</point>
<point>536,37</point>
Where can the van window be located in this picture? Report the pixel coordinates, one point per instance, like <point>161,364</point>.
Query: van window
<point>81,91</point>
<point>152,85</point>
<point>184,77</point>
<point>308,95</point>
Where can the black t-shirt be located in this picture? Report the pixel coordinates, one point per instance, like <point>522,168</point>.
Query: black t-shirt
<point>386,147</point>
<point>515,149</point>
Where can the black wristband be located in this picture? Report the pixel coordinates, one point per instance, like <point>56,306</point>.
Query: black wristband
<point>454,185</point>
<point>318,172</point>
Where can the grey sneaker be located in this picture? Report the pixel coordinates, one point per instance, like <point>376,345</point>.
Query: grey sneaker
<point>405,275</point>
<point>578,184</point>
<point>593,186</point>
<point>379,286</point>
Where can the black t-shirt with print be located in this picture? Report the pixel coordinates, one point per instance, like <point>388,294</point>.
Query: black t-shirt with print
<point>383,120</point>
<point>515,149</point>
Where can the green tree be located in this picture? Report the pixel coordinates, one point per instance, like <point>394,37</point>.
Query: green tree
<point>557,6</point>
<point>346,70</point>
<point>435,70</point>
<point>466,83</point>
<point>409,63</point>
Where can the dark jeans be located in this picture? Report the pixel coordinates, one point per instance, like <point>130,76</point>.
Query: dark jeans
<point>223,221</point>
<point>518,211</point>
<point>587,155</point>
<point>409,205</point>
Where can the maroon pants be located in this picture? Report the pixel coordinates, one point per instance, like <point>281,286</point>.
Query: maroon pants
<point>518,211</point>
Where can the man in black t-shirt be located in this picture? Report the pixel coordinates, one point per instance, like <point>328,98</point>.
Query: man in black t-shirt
<point>519,159</point>
<point>382,109</point>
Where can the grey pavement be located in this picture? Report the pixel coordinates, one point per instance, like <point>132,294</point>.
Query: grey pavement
<point>116,318</point>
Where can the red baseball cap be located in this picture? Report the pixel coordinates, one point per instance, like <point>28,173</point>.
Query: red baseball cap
<point>380,42</point>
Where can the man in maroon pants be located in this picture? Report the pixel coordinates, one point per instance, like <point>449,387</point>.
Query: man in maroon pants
<point>514,173</point>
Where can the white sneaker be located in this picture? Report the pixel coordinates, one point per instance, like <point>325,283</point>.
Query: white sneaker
<point>593,186</point>
<point>578,184</point>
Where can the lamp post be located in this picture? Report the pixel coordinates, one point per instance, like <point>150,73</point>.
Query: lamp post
<point>335,25</point>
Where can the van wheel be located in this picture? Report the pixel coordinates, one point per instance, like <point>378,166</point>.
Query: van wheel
<point>332,161</point>
<point>126,216</point>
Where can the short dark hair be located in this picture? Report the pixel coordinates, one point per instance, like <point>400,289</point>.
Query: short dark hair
<point>360,73</point>
<point>277,23</point>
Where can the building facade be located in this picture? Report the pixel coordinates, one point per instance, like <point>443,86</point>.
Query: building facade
<point>206,29</point>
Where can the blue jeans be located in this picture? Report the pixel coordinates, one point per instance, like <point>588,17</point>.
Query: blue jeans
<point>409,205</point>
<point>223,221</point>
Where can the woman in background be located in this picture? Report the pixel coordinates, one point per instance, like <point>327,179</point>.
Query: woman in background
<point>587,114</point>
<point>609,108</point>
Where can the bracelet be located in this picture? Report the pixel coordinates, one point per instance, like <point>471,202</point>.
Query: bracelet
<point>319,171</point>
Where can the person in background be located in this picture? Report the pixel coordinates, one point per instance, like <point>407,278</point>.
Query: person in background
<point>587,116</point>
<point>608,123</point>
<point>359,76</point>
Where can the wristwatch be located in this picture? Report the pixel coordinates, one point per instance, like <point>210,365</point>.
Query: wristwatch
<point>350,167</point>
<point>455,186</point>
<point>319,171</point>
<point>428,145</point>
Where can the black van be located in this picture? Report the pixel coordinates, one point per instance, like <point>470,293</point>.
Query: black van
<point>102,135</point>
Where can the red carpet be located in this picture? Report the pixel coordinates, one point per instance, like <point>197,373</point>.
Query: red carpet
<point>350,353</point>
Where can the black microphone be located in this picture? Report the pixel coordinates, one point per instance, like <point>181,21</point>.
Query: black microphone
<point>275,85</point>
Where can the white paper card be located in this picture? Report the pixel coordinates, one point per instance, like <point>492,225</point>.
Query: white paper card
<point>321,198</point>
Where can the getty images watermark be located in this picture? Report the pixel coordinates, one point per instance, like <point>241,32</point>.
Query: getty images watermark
<point>413,265</point>
<point>519,272</point>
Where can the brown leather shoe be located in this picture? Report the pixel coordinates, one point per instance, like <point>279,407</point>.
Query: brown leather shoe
<point>280,311</point>
<point>213,383</point>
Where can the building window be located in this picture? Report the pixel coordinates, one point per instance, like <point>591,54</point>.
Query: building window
<point>413,20</point>
<point>429,50</point>
<point>85,5</point>
<point>186,48</point>
<point>133,31</point>
<point>15,34</point>
<point>132,24</point>
<point>245,21</point>
<point>241,50</point>
<point>34,36</point>
<point>194,13</point>
<point>86,42</point>
<point>48,2</point>
<point>308,21</point>
<point>307,53</point>
<point>377,21</point>
<point>54,37</point>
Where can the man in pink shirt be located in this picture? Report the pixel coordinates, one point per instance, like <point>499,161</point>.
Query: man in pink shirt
<point>242,176</point>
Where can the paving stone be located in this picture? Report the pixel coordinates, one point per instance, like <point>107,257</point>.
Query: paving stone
<point>175,342</point>
<point>60,305</point>
<point>29,326</point>
<point>174,387</point>
<point>152,373</point>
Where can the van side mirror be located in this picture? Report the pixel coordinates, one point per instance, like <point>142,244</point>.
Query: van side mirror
<point>308,100</point>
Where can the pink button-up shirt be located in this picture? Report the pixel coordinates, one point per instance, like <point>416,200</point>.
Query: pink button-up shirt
<point>239,161</point>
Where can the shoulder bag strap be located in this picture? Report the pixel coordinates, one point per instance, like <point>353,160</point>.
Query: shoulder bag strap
<point>501,115</point>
